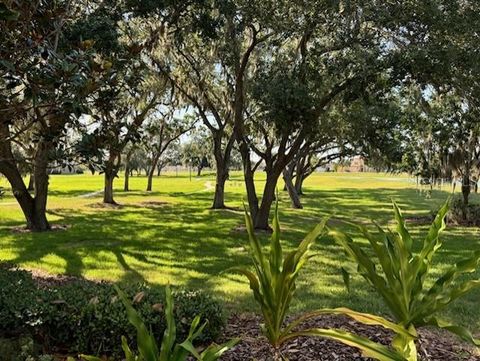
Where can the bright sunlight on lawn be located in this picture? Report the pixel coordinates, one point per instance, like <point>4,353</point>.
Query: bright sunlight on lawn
<point>171,235</point>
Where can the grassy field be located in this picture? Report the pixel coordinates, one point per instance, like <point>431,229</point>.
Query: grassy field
<point>171,235</point>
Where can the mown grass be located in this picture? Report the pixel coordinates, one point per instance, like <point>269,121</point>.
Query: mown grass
<point>171,236</point>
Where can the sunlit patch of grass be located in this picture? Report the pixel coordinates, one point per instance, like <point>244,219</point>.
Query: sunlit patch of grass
<point>170,235</point>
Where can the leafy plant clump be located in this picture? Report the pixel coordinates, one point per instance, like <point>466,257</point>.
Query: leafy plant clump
<point>273,286</point>
<point>168,350</point>
<point>398,274</point>
<point>460,214</point>
<point>273,280</point>
<point>88,317</point>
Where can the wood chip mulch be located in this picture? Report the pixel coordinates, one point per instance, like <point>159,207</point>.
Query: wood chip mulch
<point>433,345</point>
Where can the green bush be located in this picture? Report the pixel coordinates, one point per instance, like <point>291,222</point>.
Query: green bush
<point>88,317</point>
<point>149,349</point>
<point>19,310</point>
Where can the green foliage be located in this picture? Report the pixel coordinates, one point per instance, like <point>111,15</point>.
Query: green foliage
<point>88,317</point>
<point>18,304</point>
<point>402,279</point>
<point>148,349</point>
<point>273,281</point>
<point>6,14</point>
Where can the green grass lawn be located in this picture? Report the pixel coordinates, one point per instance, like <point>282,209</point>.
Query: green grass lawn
<point>171,235</point>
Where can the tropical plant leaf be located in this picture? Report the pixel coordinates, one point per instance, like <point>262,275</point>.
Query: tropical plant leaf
<point>170,333</point>
<point>365,318</point>
<point>147,345</point>
<point>367,347</point>
<point>129,356</point>
<point>460,331</point>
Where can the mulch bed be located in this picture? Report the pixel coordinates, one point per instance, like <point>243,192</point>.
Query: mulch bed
<point>432,346</point>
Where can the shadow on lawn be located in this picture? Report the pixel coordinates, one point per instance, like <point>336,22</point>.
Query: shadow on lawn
<point>192,245</point>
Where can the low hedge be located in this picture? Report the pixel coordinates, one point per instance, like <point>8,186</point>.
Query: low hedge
<point>87,317</point>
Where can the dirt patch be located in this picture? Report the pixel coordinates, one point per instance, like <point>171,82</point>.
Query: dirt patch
<point>420,220</point>
<point>105,206</point>
<point>432,345</point>
<point>53,228</point>
<point>46,280</point>
<point>242,229</point>
<point>152,204</point>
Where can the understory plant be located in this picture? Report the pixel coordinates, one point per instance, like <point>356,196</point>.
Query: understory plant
<point>273,285</point>
<point>274,276</point>
<point>399,275</point>
<point>168,350</point>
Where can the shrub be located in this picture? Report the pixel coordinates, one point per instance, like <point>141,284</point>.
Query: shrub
<point>169,350</point>
<point>461,214</point>
<point>88,317</point>
<point>19,310</point>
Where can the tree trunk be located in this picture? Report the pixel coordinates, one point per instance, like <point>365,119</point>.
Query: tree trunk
<point>465,189</point>
<point>151,171</point>
<point>292,191</point>
<point>199,171</point>
<point>108,189</point>
<point>40,177</point>
<point>262,217</point>
<point>31,182</point>
<point>221,178</point>
<point>299,184</point>
<point>126,185</point>
<point>222,162</point>
<point>33,208</point>
<point>248,175</point>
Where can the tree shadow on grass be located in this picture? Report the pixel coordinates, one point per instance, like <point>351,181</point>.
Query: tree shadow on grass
<point>187,244</point>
